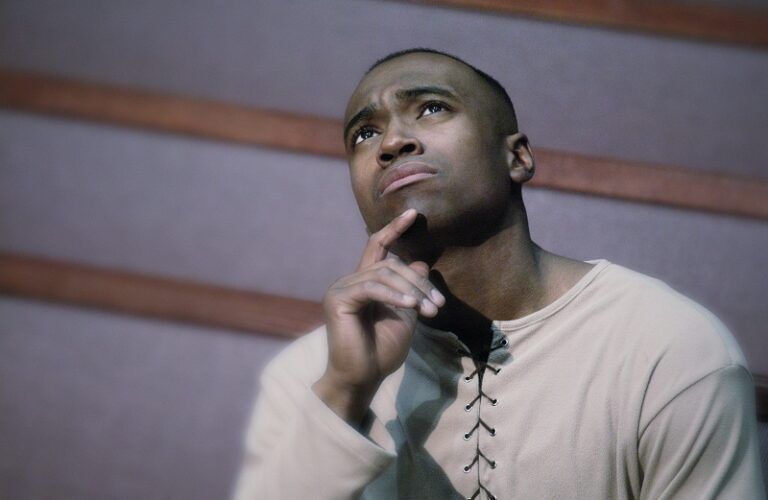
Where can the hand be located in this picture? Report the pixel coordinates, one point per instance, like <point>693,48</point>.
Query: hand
<point>370,318</point>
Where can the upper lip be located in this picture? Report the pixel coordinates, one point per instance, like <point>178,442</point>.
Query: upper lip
<point>396,173</point>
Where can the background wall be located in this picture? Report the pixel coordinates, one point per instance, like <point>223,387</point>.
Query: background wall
<point>99,405</point>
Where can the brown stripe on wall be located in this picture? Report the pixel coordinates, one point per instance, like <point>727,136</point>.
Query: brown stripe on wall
<point>177,300</point>
<point>654,184</point>
<point>729,24</point>
<point>628,180</point>
<point>159,297</point>
<point>168,113</point>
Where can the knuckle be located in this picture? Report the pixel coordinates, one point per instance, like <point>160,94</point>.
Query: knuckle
<point>385,272</point>
<point>330,301</point>
<point>393,259</point>
<point>377,238</point>
<point>369,285</point>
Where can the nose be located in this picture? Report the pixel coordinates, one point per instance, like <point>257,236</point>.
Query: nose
<point>397,142</point>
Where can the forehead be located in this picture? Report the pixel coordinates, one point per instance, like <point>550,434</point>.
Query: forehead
<point>412,70</point>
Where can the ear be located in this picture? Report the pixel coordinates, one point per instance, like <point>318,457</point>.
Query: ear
<point>520,161</point>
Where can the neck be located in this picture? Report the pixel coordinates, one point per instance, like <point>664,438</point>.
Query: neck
<point>498,276</point>
<point>500,279</point>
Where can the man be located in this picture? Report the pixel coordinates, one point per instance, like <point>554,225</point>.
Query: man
<point>461,360</point>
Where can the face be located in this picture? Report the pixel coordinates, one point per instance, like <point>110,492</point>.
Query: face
<point>421,133</point>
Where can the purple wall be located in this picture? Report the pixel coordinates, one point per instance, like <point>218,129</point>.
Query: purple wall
<point>94,405</point>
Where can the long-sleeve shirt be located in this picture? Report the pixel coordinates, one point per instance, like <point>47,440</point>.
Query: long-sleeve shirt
<point>621,388</point>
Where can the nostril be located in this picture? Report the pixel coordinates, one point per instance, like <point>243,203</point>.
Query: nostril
<point>386,157</point>
<point>408,148</point>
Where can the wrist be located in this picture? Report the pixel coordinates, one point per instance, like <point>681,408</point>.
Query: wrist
<point>350,402</point>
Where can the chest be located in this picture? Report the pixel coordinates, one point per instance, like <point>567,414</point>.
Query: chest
<point>517,428</point>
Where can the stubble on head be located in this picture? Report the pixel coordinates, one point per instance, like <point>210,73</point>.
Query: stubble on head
<point>471,196</point>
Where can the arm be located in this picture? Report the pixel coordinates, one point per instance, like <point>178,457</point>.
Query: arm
<point>296,447</point>
<point>703,443</point>
<point>303,441</point>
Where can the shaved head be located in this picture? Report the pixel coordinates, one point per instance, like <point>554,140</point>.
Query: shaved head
<point>437,123</point>
<point>507,118</point>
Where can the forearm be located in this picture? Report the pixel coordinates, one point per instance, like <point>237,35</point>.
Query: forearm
<point>349,403</point>
<point>298,447</point>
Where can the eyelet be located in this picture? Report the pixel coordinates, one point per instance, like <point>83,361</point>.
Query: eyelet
<point>467,468</point>
<point>467,436</point>
<point>493,464</point>
<point>493,431</point>
<point>494,402</point>
<point>467,379</point>
<point>504,342</point>
<point>468,407</point>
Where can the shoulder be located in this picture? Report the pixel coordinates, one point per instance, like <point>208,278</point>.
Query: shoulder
<point>665,321</point>
<point>675,341</point>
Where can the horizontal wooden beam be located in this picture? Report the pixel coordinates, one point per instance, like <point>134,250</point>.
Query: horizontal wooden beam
<point>653,184</point>
<point>713,23</point>
<point>165,298</point>
<point>168,113</point>
<point>627,180</point>
<point>179,300</point>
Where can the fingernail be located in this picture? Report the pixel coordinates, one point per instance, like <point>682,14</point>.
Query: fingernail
<point>437,297</point>
<point>405,213</point>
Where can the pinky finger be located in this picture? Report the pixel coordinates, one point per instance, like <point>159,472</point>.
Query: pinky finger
<point>373,291</point>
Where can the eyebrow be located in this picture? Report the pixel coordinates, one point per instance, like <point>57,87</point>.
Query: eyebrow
<point>412,93</point>
<point>364,114</point>
<point>402,95</point>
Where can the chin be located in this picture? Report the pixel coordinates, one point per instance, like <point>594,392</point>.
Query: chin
<point>428,231</point>
<point>428,205</point>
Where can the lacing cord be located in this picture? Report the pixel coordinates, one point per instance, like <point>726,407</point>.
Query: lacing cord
<point>477,492</point>
<point>494,369</point>
<point>480,422</point>
<point>468,406</point>
<point>479,371</point>
<point>479,454</point>
<point>502,343</point>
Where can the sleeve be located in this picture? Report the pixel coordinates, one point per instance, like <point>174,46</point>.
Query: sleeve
<point>296,447</point>
<point>703,443</point>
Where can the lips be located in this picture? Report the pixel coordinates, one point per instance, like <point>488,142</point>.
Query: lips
<point>403,175</point>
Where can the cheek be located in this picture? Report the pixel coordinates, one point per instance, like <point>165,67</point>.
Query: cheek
<point>359,175</point>
<point>361,189</point>
<point>459,140</point>
<point>360,192</point>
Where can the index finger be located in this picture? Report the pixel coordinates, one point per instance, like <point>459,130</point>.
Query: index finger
<point>380,241</point>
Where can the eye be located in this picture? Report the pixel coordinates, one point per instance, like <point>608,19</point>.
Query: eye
<point>431,108</point>
<point>362,134</point>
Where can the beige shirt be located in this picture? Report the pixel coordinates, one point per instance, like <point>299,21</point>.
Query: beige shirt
<point>621,388</point>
